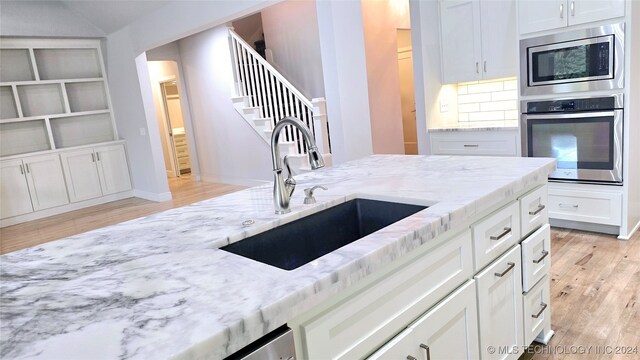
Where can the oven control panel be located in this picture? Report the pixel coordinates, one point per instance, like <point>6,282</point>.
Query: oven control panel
<point>571,105</point>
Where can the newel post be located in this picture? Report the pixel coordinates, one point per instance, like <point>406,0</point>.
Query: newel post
<point>320,124</point>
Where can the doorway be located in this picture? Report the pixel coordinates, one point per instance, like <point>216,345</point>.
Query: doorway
<point>179,162</point>
<point>407,96</point>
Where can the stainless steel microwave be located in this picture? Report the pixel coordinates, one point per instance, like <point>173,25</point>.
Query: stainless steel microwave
<point>582,60</point>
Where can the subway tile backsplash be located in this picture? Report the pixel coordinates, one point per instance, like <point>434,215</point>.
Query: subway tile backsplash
<point>488,103</point>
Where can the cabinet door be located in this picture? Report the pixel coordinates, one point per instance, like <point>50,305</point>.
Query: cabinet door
<point>535,15</point>
<point>401,347</point>
<point>46,181</point>
<point>499,40</point>
<point>584,11</point>
<point>461,40</point>
<point>500,307</point>
<point>14,192</point>
<point>450,329</point>
<point>113,169</point>
<point>81,174</point>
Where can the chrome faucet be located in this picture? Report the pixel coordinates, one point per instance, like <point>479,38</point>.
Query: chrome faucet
<point>282,189</point>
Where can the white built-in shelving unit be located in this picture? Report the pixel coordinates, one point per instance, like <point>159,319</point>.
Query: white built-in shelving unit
<point>54,98</point>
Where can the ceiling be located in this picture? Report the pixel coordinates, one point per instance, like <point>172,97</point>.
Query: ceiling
<point>110,16</point>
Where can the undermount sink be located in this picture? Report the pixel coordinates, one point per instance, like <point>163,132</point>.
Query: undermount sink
<point>299,242</point>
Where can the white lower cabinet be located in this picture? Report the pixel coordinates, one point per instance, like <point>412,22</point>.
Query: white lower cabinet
<point>448,331</point>
<point>30,184</point>
<point>94,172</point>
<point>500,307</point>
<point>537,311</point>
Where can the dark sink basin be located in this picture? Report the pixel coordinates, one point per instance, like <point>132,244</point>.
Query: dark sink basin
<point>299,242</point>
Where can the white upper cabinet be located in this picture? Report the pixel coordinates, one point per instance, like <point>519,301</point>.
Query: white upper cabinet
<point>46,181</point>
<point>478,39</point>
<point>535,15</point>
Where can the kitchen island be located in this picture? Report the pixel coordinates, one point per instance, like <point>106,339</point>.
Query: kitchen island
<point>158,287</point>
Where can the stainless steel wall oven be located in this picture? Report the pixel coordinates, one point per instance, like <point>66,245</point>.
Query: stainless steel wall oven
<point>582,60</point>
<point>583,134</point>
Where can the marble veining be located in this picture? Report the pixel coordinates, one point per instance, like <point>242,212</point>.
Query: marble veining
<point>158,287</point>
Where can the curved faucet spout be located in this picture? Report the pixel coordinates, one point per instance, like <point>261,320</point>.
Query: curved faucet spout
<point>281,191</point>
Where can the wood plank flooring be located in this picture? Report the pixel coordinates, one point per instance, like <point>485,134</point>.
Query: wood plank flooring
<point>595,278</point>
<point>595,287</point>
<point>32,233</point>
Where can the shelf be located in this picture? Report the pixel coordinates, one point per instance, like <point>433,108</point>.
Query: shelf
<point>15,65</point>
<point>68,63</point>
<point>23,137</point>
<point>8,108</point>
<point>54,116</point>
<point>87,96</point>
<point>79,130</point>
<point>44,99</point>
<point>57,81</point>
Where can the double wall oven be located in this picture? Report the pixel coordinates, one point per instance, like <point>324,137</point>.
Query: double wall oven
<point>584,133</point>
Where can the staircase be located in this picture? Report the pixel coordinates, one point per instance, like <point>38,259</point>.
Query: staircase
<point>263,96</point>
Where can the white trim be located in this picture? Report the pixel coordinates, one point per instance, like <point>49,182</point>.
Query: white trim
<point>157,197</point>
<point>628,236</point>
<point>233,180</point>
<point>64,208</point>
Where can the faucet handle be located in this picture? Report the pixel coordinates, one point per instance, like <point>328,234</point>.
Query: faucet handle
<point>308,194</point>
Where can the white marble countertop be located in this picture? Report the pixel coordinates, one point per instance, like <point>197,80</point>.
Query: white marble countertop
<point>159,288</point>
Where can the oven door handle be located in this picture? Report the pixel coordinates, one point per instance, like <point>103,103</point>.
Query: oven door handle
<point>571,115</point>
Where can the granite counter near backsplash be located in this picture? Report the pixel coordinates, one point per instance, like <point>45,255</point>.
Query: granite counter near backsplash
<point>158,287</point>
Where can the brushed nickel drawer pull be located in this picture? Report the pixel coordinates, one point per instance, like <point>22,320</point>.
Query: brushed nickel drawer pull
<point>511,266</point>
<point>544,306</point>
<point>537,211</point>
<point>506,231</point>
<point>471,145</point>
<point>544,255</point>
<point>426,348</point>
<point>409,357</point>
<point>570,206</point>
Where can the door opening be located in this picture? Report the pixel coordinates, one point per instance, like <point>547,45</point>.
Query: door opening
<point>177,141</point>
<point>407,96</point>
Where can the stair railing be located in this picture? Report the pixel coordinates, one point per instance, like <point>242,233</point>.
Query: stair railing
<point>276,97</point>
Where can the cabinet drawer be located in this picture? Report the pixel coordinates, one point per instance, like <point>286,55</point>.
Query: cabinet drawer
<point>400,347</point>
<point>537,310</point>
<point>596,207</point>
<point>496,234</point>
<point>364,321</point>
<point>497,143</point>
<point>533,211</point>
<point>536,257</point>
<point>500,306</point>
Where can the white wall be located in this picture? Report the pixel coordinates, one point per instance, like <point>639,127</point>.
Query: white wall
<point>249,28</point>
<point>345,78</point>
<point>381,20</point>
<point>43,18</point>
<point>425,37</point>
<point>229,149</point>
<point>291,33</point>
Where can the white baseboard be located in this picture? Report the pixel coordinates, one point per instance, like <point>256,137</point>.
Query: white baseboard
<point>628,236</point>
<point>233,180</point>
<point>157,197</point>
<point>64,208</point>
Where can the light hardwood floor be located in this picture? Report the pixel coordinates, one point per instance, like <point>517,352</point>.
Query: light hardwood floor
<point>595,288</point>
<point>595,278</point>
<point>184,191</point>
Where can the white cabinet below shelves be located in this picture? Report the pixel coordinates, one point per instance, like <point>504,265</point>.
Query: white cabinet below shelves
<point>478,39</point>
<point>480,142</point>
<point>95,172</point>
<point>534,15</point>
<point>31,184</point>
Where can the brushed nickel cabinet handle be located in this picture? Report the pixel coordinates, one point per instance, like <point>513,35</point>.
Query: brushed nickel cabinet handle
<point>570,206</point>
<point>561,11</point>
<point>427,349</point>
<point>484,66</point>
<point>26,166</point>
<point>573,8</point>
<point>544,306</point>
<point>537,211</point>
<point>98,156</point>
<point>93,158</point>
<point>477,67</point>
<point>471,145</point>
<point>544,255</point>
<point>21,170</point>
<point>511,266</point>
<point>506,231</point>
<point>409,357</point>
